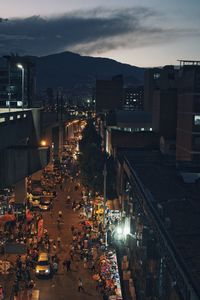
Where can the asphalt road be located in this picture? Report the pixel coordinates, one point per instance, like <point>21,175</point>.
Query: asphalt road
<point>64,285</point>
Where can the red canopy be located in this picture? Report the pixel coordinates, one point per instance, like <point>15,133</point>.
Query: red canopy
<point>7,218</point>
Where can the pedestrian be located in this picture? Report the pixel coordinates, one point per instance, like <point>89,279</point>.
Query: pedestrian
<point>55,266</point>
<point>72,229</point>
<point>31,285</point>
<point>16,288</point>
<point>72,254</point>
<point>73,204</point>
<point>80,285</point>
<point>1,292</point>
<point>58,241</point>
<point>92,266</point>
<point>68,265</point>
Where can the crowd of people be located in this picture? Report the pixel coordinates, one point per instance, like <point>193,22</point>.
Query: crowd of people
<point>87,243</point>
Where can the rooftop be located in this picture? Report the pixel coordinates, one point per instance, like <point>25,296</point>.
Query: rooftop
<point>125,116</point>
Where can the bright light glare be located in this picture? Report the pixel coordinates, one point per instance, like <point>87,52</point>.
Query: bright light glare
<point>20,66</point>
<point>119,230</point>
<point>43,143</point>
<point>126,230</point>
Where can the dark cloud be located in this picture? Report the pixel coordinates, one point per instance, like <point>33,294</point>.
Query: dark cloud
<point>86,32</point>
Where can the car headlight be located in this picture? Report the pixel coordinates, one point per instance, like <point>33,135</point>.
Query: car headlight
<point>46,271</point>
<point>37,271</point>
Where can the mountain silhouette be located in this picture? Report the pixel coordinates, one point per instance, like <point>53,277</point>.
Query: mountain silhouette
<point>77,74</point>
<point>71,71</point>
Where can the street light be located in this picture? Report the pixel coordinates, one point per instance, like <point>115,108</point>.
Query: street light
<point>20,66</point>
<point>43,143</point>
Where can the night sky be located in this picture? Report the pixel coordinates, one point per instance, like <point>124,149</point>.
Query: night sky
<point>143,33</point>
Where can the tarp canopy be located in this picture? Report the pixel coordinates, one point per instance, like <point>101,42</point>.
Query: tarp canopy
<point>7,218</point>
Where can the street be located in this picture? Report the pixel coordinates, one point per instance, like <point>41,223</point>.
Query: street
<point>65,284</point>
<point>61,285</point>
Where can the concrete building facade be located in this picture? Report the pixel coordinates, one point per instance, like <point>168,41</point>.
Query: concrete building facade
<point>109,94</point>
<point>188,115</point>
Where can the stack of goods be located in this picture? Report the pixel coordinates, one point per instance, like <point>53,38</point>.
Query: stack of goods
<point>110,274</point>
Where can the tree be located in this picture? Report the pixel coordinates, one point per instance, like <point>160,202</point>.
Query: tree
<point>91,162</point>
<point>89,136</point>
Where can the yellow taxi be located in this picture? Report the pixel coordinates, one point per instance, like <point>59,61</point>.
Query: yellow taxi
<point>43,267</point>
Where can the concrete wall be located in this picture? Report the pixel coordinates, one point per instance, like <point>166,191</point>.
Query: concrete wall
<point>20,162</point>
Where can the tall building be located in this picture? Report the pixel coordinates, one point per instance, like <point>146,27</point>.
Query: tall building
<point>164,105</point>
<point>17,84</point>
<point>151,83</point>
<point>109,94</point>
<point>157,79</point>
<point>134,98</point>
<point>188,113</point>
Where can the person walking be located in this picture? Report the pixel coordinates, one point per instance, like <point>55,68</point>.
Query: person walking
<point>60,214</point>
<point>30,289</point>
<point>59,241</point>
<point>72,229</point>
<point>80,285</point>
<point>55,267</point>
<point>1,292</point>
<point>16,288</point>
<point>68,265</point>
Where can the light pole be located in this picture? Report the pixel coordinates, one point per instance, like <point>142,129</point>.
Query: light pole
<point>20,66</point>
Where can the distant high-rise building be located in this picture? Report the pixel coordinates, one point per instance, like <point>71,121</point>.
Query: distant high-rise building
<point>164,105</point>
<point>109,94</point>
<point>134,98</point>
<point>188,113</point>
<point>151,83</point>
<point>17,84</point>
<point>157,79</point>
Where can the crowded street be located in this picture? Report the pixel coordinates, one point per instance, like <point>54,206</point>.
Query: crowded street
<point>61,239</point>
<point>63,282</point>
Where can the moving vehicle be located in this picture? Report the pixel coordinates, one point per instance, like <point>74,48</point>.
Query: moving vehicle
<point>43,267</point>
<point>45,203</point>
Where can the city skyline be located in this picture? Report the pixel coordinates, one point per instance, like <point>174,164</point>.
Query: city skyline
<point>147,33</point>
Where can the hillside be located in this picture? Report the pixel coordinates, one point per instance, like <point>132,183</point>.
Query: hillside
<point>71,71</point>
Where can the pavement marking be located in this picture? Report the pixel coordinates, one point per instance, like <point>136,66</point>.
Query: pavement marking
<point>35,295</point>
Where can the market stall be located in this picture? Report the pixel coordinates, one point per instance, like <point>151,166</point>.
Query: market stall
<point>109,275</point>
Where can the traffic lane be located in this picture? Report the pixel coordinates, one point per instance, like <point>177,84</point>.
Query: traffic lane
<point>69,217</point>
<point>65,286</point>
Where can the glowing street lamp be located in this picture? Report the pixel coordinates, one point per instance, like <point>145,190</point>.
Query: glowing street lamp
<point>20,66</point>
<point>43,143</point>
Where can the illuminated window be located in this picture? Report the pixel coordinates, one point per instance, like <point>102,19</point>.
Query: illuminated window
<point>11,118</point>
<point>18,116</point>
<point>197,120</point>
<point>2,120</point>
<point>156,75</point>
